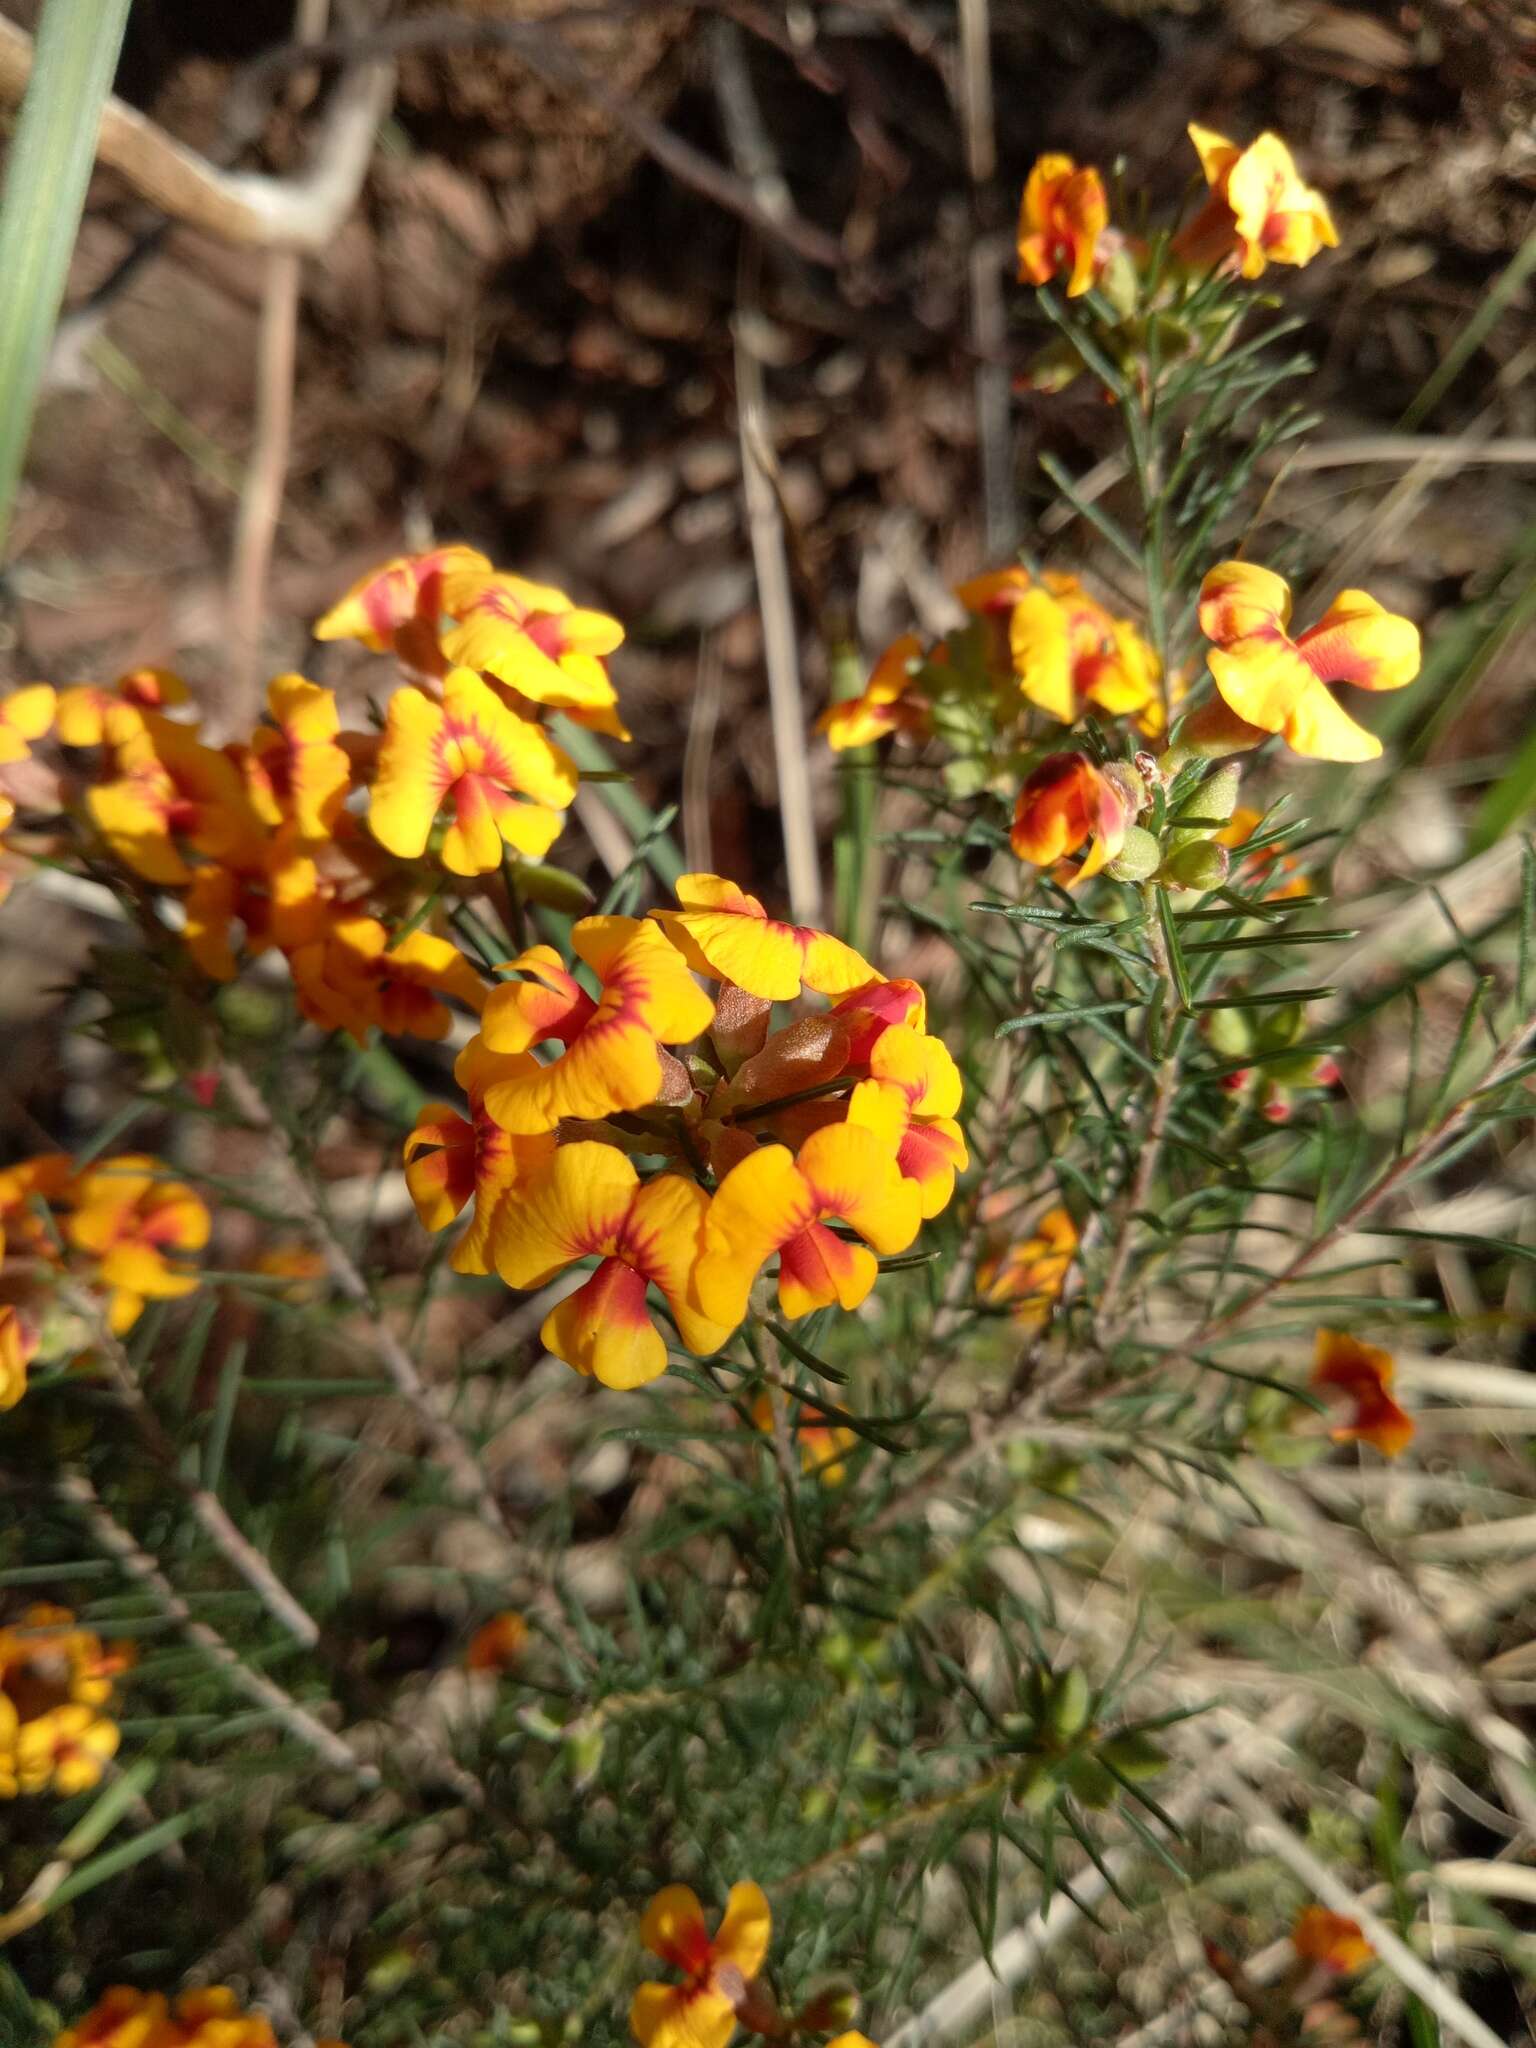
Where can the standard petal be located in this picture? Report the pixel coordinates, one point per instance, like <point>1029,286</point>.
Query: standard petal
<point>745,1930</point>
<point>1358,641</point>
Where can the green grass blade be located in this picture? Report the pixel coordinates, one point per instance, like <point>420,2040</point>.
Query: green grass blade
<point>49,169</point>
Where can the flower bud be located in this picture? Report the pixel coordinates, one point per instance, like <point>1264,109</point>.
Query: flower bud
<point>584,1756</point>
<point>1202,864</point>
<point>1217,795</point>
<point>1067,1712</point>
<point>831,2010</point>
<point>1118,280</point>
<point>1139,858</point>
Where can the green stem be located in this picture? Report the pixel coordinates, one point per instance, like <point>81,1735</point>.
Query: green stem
<point>45,183</point>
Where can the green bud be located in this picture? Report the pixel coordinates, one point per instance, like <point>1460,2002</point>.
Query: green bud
<point>1201,864</point>
<point>1034,1786</point>
<point>554,888</point>
<point>1217,795</point>
<point>1118,283</point>
<point>1067,1713</point>
<point>391,1971</point>
<point>584,1755</point>
<point>1138,859</point>
<point>1135,1756</point>
<point>1285,1452</point>
<point>1089,1781</point>
<point>1230,1033</point>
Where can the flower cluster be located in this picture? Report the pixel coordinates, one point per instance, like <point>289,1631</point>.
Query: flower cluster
<point>55,1680</point>
<point>766,1138</point>
<point>124,1229</point>
<point>207,2018</point>
<point>321,843</point>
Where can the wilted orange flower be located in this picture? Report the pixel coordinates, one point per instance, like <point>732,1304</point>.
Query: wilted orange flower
<point>611,1061</point>
<point>1030,1273</point>
<point>18,1348</point>
<point>1066,803</point>
<point>716,1970</point>
<point>142,1228</point>
<point>503,777</point>
<point>1068,652</point>
<point>1364,1375</point>
<point>724,932</point>
<point>352,979</point>
<point>398,593</point>
<point>25,715</point>
<point>1259,210</point>
<point>822,1445</point>
<point>1064,212</point>
<point>590,1201</point>
<point>497,1644</point>
<point>910,1102</point>
<point>293,768</point>
<point>1277,684</point>
<point>90,715</point>
<point>779,1201</point>
<point>1331,1939</point>
<point>531,637</point>
<point>170,788</point>
<point>885,705</point>
<point>451,1160</point>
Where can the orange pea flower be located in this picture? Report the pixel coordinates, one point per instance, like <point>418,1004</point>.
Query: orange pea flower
<point>44,1179</point>
<point>1069,651</point>
<point>531,637</point>
<point>294,768</point>
<point>123,2018</point>
<point>503,777</point>
<point>724,932</point>
<point>611,1061</point>
<point>25,715</point>
<point>1331,1939</point>
<point>1259,211</point>
<point>1277,684</point>
<point>351,979</point>
<point>779,1201</point>
<point>65,1749</point>
<point>1363,1374</point>
<point>1066,803</point>
<point>18,1348</point>
<point>910,1101</point>
<point>822,1445</point>
<point>451,1160</point>
<point>91,716</point>
<point>885,705</point>
<point>497,1644</point>
<point>716,1969</point>
<point>398,593</point>
<point>590,1201</point>
<point>1063,214</point>
<point>170,788</point>
<point>1030,1273</point>
<point>141,1227</point>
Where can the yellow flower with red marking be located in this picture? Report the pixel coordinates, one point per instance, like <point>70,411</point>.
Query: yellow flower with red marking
<point>1028,1275</point>
<point>18,1348</point>
<point>503,779</point>
<point>404,592</point>
<point>590,1202</point>
<point>1067,803</point>
<point>886,705</point>
<point>1069,652</point>
<point>1277,684</point>
<point>352,979</point>
<point>141,1228</point>
<point>1362,1374</point>
<point>170,792</point>
<point>1260,211</point>
<point>452,1161</point>
<point>822,1445</point>
<point>1237,832</point>
<point>716,1969</point>
<point>531,637</point>
<point>777,1201</point>
<point>1063,214</point>
<point>25,715</point>
<point>722,931</point>
<point>1330,1939</point>
<point>611,1061</point>
<point>910,1101</point>
<point>90,715</point>
<point>294,770</point>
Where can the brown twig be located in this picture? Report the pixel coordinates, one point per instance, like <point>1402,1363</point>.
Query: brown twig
<point>77,1492</point>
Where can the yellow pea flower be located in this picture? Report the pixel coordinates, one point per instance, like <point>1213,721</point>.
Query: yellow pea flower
<point>25,715</point>
<point>910,1101</point>
<point>141,1227</point>
<point>531,637</point>
<point>590,1201</point>
<point>1277,684</point>
<point>168,788</point>
<point>399,593</point>
<point>92,716</point>
<point>886,704</point>
<point>1029,1274</point>
<point>503,778</point>
<point>1259,211</point>
<point>610,1061</point>
<point>779,1201</point>
<point>723,932</point>
<point>716,1969</point>
<point>294,770</point>
<point>452,1160</point>
<point>1066,803</point>
<point>351,979</point>
<point>1332,1939</point>
<point>18,1348</point>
